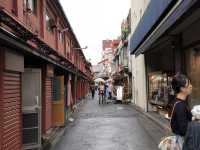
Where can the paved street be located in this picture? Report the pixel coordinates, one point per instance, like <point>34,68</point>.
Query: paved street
<point>110,127</point>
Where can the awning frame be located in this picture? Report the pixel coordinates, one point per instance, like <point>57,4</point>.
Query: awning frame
<point>174,14</point>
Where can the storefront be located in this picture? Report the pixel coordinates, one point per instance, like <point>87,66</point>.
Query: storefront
<point>181,55</point>
<point>167,45</point>
<point>162,62</point>
<point>121,79</point>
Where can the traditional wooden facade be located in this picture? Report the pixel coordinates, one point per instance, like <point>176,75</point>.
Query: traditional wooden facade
<point>36,42</point>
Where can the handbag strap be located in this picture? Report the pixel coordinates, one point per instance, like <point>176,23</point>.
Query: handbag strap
<point>173,109</point>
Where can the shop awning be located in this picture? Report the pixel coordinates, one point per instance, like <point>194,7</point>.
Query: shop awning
<point>152,14</point>
<point>147,33</point>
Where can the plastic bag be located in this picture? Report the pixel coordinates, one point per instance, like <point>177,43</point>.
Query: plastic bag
<point>171,143</point>
<point>196,112</point>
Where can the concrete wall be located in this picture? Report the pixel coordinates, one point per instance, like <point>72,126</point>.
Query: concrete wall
<point>138,8</point>
<point>139,90</point>
<point>138,63</point>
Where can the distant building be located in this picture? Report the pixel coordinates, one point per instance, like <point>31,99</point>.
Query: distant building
<point>122,61</point>
<point>109,48</point>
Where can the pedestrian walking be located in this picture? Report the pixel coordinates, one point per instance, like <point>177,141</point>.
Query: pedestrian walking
<point>110,89</point>
<point>105,92</point>
<point>101,92</point>
<point>93,91</point>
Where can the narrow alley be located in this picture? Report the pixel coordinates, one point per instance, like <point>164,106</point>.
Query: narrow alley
<point>142,54</point>
<point>110,126</point>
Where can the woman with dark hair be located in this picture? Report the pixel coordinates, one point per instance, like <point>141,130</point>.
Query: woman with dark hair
<point>181,114</point>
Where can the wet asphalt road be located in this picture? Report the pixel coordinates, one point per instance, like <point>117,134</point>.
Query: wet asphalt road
<point>110,127</point>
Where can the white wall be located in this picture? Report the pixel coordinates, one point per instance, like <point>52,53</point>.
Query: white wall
<point>139,89</point>
<point>138,8</point>
<point>139,74</point>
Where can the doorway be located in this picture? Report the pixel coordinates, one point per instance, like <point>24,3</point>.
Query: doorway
<point>31,108</point>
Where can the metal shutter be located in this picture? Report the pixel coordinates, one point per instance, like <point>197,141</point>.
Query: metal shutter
<point>12,111</point>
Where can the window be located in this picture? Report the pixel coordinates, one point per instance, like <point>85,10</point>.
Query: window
<point>61,36</point>
<point>56,90</point>
<point>67,46</point>
<point>30,6</point>
<point>50,24</point>
<point>47,18</point>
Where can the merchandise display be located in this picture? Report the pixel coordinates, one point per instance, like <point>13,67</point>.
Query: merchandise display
<point>160,88</point>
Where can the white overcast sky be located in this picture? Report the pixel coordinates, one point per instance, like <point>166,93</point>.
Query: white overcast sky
<point>94,21</point>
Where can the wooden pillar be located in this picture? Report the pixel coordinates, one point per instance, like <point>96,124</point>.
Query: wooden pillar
<point>84,88</point>
<point>75,89</point>
<point>81,89</point>
<point>1,93</point>
<point>79,92</point>
<point>47,75</point>
<point>69,91</point>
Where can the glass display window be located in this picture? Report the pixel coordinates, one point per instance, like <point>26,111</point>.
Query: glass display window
<point>159,88</point>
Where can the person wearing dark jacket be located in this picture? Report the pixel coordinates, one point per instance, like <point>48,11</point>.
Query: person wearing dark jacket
<point>180,118</point>
<point>181,114</point>
<point>192,137</point>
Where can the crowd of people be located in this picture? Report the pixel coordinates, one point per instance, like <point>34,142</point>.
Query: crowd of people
<point>105,91</point>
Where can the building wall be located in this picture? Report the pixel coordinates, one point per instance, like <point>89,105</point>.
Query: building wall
<point>10,73</point>
<point>106,44</point>
<point>139,94</point>
<point>36,23</point>
<point>139,89</point>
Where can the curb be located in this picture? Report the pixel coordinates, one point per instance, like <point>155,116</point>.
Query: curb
<point>58,137</point>
<point>158,122</point>
<point>152,118</point>
<point>52,143</point>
